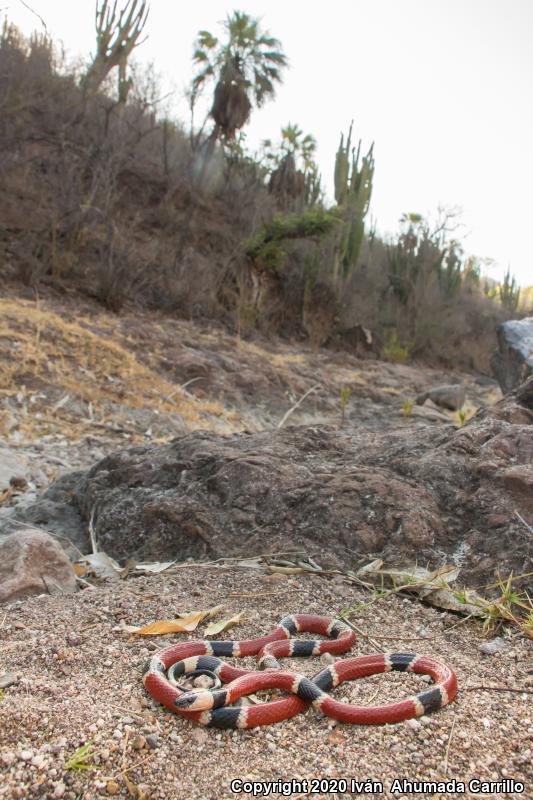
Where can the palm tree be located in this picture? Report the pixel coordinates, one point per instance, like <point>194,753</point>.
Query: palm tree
<point>295,175</point>
<point>295,143</point>
<point>246,67</point>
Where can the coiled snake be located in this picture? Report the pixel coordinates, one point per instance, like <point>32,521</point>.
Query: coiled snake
<point>213,707</point>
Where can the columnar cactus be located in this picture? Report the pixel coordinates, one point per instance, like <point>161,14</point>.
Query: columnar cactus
<point>353,190</point>
<point>117,34</point>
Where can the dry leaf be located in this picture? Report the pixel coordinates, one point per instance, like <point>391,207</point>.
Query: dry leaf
<point>445,598</point>
<point>182,625</point>
<point>287,570</point>
<point>102,565</point>
<point>212,612</point>
<point>223,624</point>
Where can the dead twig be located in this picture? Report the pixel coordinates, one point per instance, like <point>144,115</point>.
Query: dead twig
<point>92,534</point>
<point>43,23</point>
<point>298,403</point>
<point>361,632</point>
<point>447,753</point>
<point>524,523</point>
<point>129,712</point>
<point>482,688</point>
<point>133,766</point>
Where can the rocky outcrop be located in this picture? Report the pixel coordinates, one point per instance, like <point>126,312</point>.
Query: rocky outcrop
<point>451,397</point>
<point>513,362</point>
<point>31,562</point>
<point>427,495</point>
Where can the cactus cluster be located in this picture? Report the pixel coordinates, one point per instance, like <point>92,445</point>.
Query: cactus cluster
<point>509,292</point>
<point>451,270</point>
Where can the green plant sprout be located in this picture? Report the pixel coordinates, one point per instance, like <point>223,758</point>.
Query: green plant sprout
<point>407,407</point>
<point>343,399</point>
<point>80,758</point>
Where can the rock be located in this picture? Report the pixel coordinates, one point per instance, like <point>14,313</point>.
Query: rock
<point>152,740</point>
<point>497,645</point>
<point>451,397</point>
<point>513,362</point>
<point>12,467</point>
<point>138,742</point>
<point>31,562</point>
<point>8,679</point>
<point>53,511</point>
<point>415,494</point>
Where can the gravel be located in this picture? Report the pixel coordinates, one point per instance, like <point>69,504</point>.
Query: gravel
<point>79,681</point>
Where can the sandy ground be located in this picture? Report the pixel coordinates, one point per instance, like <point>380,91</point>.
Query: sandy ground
<point>79,681</point>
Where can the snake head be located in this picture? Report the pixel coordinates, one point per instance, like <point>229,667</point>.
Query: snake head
<point>195,701</point>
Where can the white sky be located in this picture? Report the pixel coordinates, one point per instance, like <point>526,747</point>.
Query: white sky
<point>443,87</point>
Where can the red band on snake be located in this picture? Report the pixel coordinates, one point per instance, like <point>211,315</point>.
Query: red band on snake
<point>213,707</point>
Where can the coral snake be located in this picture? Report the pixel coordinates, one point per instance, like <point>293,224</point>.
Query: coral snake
<point>213,707</point>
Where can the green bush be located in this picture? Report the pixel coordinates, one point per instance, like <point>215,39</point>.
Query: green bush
<point>265,249</point>
<point>394,351</point>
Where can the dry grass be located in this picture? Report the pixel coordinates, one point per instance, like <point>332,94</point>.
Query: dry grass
<point>40,349</point>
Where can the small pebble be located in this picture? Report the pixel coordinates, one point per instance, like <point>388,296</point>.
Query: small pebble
<point>493,646</point>
<point>152,740</point>
<point>138,742</point>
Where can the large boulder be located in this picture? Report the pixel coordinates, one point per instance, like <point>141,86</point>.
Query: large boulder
<point>31,562</point>
<point>451,396</point>
<point>513,362</point>
<point>430,495</point>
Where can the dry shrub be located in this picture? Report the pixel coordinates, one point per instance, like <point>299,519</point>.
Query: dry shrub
<point>106,198</point>
<point>102,196</point>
